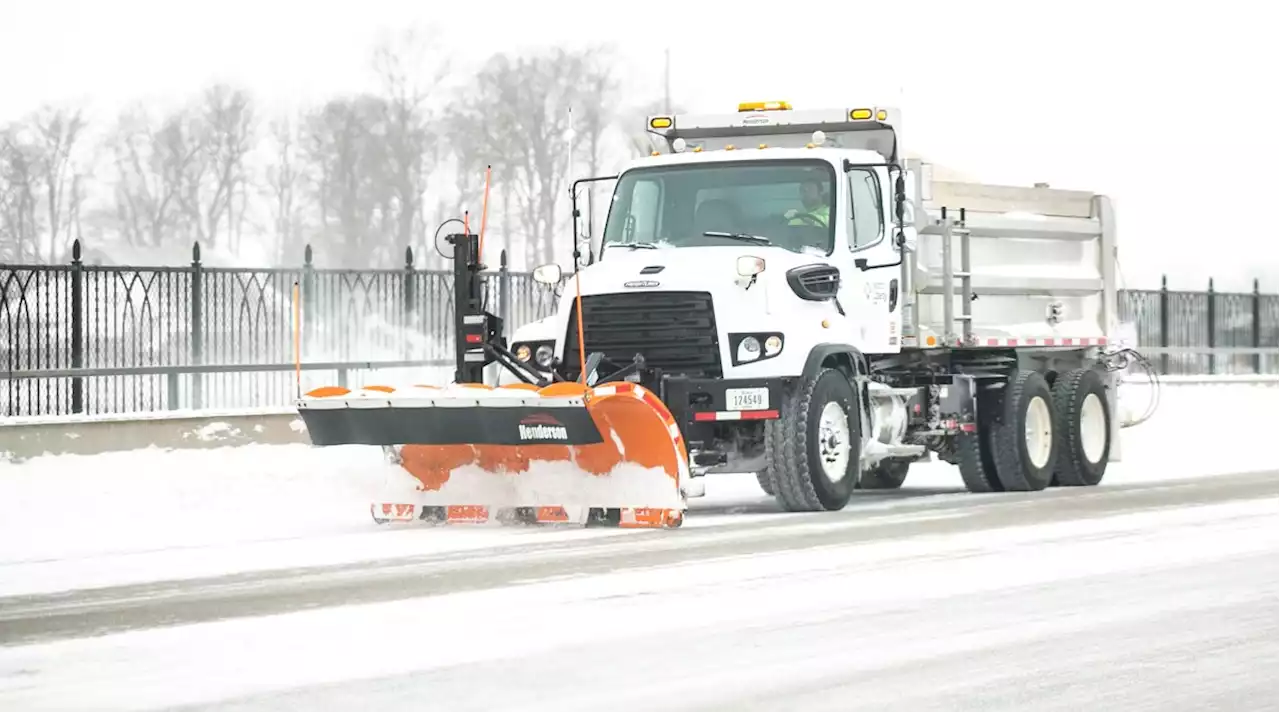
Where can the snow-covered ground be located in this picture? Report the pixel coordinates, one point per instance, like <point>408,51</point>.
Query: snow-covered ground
<point>1140,610</point>
<point>926,599</point>
<point>80,521</point>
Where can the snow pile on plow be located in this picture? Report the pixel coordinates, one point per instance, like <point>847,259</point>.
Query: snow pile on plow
<point>562,453</point>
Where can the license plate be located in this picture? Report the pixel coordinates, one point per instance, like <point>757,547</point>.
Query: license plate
<point>747,398</point>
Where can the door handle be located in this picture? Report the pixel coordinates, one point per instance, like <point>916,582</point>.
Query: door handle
<point>893,294</point>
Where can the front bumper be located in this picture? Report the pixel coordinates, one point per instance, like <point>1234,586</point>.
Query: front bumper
<point>706,408</point>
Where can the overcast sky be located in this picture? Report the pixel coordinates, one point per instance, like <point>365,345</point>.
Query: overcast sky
<point>1167,110</point>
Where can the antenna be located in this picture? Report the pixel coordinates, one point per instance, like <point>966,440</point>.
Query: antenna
<point>572,195</point>
<point>666,81</point>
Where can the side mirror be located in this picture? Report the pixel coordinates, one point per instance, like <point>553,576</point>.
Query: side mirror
<point>548,274</point>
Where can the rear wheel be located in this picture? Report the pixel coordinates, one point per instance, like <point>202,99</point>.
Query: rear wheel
<point>1083,416</point>
<point>765,484</point>
<point>814,450</point>
<point>973,450</point>
<point>1021,434</point>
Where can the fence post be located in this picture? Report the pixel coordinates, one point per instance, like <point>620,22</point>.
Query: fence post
<point>197,326</point>
<point>77,326</point>
<point>1257,326</point>
<point>410,304</point>
<point>1213,328</point>
<point>1164,323</point>
<point>505,298</point>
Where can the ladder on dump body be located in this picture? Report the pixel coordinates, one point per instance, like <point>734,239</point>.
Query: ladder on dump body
<point>948,228</point>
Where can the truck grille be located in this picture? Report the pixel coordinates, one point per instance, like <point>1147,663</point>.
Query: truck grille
<point>675,331</point>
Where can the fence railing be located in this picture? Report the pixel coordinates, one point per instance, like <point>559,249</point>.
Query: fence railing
<point>195,323</point>
<point>1209,332</point>
<point>80,338</point>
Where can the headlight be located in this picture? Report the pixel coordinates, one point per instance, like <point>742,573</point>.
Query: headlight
<point>772,345</point>
<point>540,354</point>
<point>544,355</point>
<point>749,348</point>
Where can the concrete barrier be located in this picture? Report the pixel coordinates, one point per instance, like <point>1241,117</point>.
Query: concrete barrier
<point>23,438</point>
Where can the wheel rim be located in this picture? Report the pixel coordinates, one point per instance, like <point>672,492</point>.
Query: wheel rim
<point>833,441</point>
<point>1039,432</point>
<point>1093,428</point>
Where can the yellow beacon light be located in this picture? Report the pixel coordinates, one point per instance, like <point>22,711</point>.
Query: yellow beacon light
<point>660,122</point>
<point>860,114</point>
<point>764,106</point>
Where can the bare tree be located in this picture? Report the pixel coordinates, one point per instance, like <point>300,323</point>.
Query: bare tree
<point>409,75</point>
<point>39,198</point>
<point>216,190</point>
<point>57,132</point>
<point>154,169</point>
<point>345,149</point>
<point>19,195</point>
<point>516,116</point>
<point>285,188</point>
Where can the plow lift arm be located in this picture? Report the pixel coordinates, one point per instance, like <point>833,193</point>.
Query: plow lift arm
<point>538,451</point>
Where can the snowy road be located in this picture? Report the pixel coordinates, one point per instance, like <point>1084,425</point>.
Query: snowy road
<point>252,578</point>
<point>1158,595</point>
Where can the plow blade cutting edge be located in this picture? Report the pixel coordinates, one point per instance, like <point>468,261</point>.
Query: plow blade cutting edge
<point>563,453</point>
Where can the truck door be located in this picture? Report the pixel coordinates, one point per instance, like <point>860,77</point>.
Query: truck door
<point>875,292</point>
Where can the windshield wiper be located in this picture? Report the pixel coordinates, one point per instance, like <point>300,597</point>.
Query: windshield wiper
<point>741,236</point>
<point>633,245</point>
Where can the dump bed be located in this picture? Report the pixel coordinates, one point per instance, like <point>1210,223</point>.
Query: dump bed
<point>1041,265</point>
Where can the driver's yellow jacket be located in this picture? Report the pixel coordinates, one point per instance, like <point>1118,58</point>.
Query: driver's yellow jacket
<point>818,216</point>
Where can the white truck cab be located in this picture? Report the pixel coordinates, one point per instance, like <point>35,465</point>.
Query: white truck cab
<point>789,286</point>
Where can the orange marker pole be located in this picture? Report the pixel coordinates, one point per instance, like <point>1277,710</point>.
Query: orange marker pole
<point>297,337</point>
<point>484,213</point>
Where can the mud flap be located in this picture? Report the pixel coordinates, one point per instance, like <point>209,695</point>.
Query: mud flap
<point>564,454</point>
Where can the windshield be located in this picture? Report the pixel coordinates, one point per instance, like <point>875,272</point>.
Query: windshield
<point>783,203</point>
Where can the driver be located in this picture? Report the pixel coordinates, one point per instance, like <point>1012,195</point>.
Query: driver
<point>816,206</point>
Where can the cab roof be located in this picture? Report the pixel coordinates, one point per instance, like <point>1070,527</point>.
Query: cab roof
<point>835,156</point>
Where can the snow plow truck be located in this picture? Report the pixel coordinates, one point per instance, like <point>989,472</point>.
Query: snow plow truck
<point>775,291</point>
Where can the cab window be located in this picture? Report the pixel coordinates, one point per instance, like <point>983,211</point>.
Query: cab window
<point>787,202</point>
<point>866,209</point>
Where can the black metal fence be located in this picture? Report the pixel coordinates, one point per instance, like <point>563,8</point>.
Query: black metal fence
<point>144,330</point>
<point>1209,332</point>
<point>166,338</point>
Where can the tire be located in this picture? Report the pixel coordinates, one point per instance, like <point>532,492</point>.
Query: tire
<point>973,450</point>
<point>765,484</point>
<point>886,475</point>
<point>1083,424</point>
<point>796,454</point>
<point>1025,410</point>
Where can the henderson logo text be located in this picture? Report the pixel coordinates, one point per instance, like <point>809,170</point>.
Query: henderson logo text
<point>543,432</point>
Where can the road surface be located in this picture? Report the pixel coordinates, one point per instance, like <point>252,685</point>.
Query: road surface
<point>1156,596</point>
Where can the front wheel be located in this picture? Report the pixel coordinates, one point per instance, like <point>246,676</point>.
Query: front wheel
<point>813,452</point>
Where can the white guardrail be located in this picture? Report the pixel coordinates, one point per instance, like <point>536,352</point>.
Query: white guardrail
<point>22,438</point>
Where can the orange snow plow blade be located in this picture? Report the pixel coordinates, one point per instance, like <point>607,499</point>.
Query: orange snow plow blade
<point>564,453</point>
